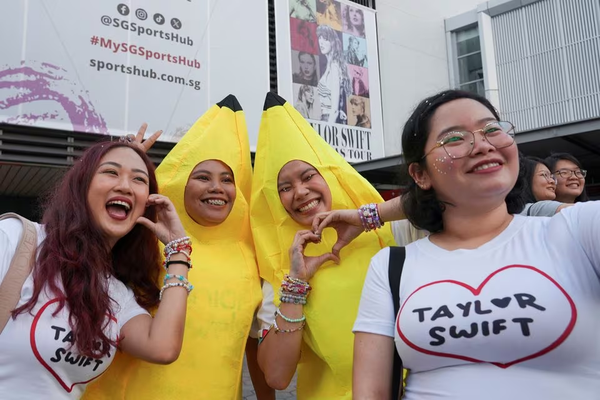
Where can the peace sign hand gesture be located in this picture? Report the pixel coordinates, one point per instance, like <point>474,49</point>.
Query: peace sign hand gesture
<point>138,139</point>
<point>304,267</point>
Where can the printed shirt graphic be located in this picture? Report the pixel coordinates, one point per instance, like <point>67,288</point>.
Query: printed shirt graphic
<point>37,359</point>
<point>516,318</point>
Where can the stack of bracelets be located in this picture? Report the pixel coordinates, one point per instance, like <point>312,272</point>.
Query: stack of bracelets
<point>294,291</point>
<point>177,246</point>
<point>369,216</point>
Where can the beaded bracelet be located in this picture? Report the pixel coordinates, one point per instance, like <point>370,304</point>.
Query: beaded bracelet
<point>294,290</point>
<point>187,286</point>
<point>278,330</point>
<point>183,244</point>
<point>291,299</point>
<point>295,284</point>
<point>178,244</point>
<point>181,278</point>
<point>290,320</point>
<point>369,217</point>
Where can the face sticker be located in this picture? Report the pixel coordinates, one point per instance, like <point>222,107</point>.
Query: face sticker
<point>442,160</point>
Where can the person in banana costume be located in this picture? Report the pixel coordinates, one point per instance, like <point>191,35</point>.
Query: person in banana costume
<point>208,176</point>
<point>296,176</point>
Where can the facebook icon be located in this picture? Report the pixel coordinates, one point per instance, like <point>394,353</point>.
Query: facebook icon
<point>123,9</point>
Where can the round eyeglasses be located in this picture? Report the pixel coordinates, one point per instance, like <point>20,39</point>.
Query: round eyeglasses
<point>549,178</point>
<point>459,144</point>
<point>567,173</point>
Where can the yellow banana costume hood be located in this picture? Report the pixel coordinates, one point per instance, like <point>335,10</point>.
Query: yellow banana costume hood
<point>325,369</point>
<point>224,274</point>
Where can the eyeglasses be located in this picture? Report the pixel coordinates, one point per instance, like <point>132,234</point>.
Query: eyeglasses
<point>567,173</point>
<point>549,178</point>
<point>459,144</point>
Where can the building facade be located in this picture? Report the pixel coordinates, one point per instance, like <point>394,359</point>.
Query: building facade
<point>538,61</point>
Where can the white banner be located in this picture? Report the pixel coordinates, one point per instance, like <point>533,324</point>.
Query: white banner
<point>106,66</point>
<point>328,68</point>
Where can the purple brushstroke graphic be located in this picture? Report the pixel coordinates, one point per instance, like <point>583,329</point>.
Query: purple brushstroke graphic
<point>47,82</point>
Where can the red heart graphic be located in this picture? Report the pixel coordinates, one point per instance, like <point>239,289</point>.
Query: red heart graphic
<point>39,357</point>
<point>476,292</point>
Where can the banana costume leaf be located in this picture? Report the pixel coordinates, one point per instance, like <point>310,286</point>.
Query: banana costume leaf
<point>325,370</point>
<point>224,274</point>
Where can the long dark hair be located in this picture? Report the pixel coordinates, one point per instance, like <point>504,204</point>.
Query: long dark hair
<point>527,168</point>
<point>554,158</point>
<point>75,254</point>
<point>422,207</point>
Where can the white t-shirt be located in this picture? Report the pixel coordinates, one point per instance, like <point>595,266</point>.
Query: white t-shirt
<point>265,316</point>
<point>36,360</point>
<point>517,318</point>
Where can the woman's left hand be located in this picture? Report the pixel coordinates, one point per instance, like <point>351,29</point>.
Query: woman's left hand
<point>347,224</point>
<point>168,226</point>
<point>138,139</point>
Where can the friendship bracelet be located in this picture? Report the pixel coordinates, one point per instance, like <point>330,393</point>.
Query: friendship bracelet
<point>171,253</point>
<point>183,240</point>
<point>278,330</point>
<point>184,243</point>
<point>294,290</point>
<point>288,278</point>
<point>179,277</point>
<point>290,320</point>
<point>369,217</point>
<point>166,286</point>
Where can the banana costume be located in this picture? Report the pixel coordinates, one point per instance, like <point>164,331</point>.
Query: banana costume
<point>325,369</point>
<point>224,274</point>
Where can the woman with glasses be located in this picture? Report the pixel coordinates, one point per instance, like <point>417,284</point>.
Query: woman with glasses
<point>491,304</point>
<point>570,187</point>
<point>538,188</point>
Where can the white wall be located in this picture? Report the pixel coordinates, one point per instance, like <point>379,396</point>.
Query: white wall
<point>413,57</point>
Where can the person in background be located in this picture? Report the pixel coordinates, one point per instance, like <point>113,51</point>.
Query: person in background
<point>570,175</point>
<point>539,187</point>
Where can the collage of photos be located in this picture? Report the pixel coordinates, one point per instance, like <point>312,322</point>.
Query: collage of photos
<point>329,62</point>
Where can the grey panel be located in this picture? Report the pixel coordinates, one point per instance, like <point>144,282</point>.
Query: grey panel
<point>28,180</point>
<point>548,63</point>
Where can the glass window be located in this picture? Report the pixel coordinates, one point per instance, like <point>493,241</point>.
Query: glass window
<point>470,68</point>
<point>468,61</point>
<point>467,42</point>
<point>474,87</point>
